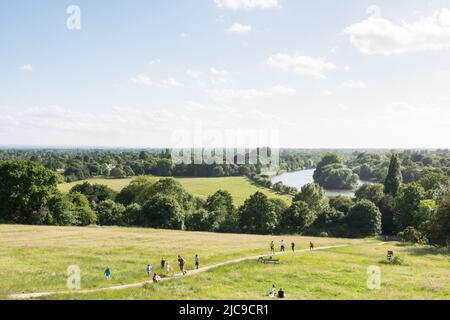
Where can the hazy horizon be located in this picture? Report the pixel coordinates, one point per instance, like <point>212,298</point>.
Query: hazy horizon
<point>319,74</point>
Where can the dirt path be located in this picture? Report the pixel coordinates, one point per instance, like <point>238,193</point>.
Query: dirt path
<point>177,276</point>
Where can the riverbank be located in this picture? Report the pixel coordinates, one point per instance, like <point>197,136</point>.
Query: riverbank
<point>298,179</point>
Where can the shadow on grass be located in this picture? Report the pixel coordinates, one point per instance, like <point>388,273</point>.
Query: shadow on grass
<point>417,250</point>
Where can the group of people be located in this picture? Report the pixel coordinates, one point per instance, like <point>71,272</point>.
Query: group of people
<point>273,292</point>
<point>280,293</point>
<point>283,246</point>
<point>165,265</point>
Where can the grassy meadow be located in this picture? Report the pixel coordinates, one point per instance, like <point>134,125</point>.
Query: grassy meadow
<point>239,187</point>
<point>35,259</point>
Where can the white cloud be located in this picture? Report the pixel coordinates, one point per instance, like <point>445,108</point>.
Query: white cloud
<point>27,68</point>
<point>303,65</point>
<point>145,81</point>
<point>275,91</point>
<point>211,76</point>
<point>247,4</point>
<point>184,35</point>
<point>353,85</point>
<point>239,28</point>
<point>171,83</point>
<point>142,80</point>
<point>377,35</point>
<point>154,62</point>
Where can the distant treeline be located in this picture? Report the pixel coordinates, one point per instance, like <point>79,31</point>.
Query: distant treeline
<point>417,211</point>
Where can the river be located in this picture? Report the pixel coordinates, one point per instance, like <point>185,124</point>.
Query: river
<point>298,179</point>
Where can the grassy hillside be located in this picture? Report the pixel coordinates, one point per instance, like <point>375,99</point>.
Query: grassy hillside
<point>35,259</point>
<point>239,187</point>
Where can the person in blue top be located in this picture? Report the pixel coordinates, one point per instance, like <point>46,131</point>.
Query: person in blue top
<point>108,273</point>
<point>149,270</point>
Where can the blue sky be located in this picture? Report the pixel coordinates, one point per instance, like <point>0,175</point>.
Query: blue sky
<point>351,73</point>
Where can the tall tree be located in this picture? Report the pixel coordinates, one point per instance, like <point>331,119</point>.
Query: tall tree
<point>364,219</point>
<point>257,215</point>
<point>25,189</point>
<point>394,177</point>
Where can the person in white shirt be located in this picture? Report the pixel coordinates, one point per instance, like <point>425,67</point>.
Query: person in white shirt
<point>272,292</point>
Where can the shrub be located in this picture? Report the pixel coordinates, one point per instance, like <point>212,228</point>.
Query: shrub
<point>412,235</point>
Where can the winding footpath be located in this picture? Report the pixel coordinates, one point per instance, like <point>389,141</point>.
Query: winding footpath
<point>176,276</point>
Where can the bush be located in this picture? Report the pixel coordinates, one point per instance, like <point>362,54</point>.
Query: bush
<point>413,236</point>
<point>110,213</point>
<point>396,261</point>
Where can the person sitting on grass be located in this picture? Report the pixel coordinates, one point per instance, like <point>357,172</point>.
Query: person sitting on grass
<point>280,293</point>
<point>156,278</point>
<point>272,292</point>
<point>149,270</point>
<point>108,273</point>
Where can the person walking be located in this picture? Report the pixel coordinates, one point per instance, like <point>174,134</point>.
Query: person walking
<point>107,273</point>
<point>167,267</point>
<point>311,246</point>
<point>149,270</point>
<point>272,248</point>
<point>197,261</point>
<point>293,246</point>
<point>282,246</point>
<point>163,263</point>
<point>181,264</point>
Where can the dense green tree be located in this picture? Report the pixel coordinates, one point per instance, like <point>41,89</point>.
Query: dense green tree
<point>364,219</point>
<point>163,211</point>
<point>394,177</point>
<point>62,211</point>
<point>118,173</point>
<point>331,173</point>
<point>133,191</point>
<point>434,184</point>
<point>439,232</point>
<point>407,204</point>
<point>313,195</point>
<point>132,215</point>
<point>199,220</point>
<point>329,220</point>
<point>85,216</point>
<point>387,207</point>
<point>257,215</point>
<point>110,213</point>
<point>372,192</point>
<point>341,203</point>
<point>221,200</point>
<point>25,189</point>
<point>164,168</point>
<point>297,218</point>
<point>96,192</point>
